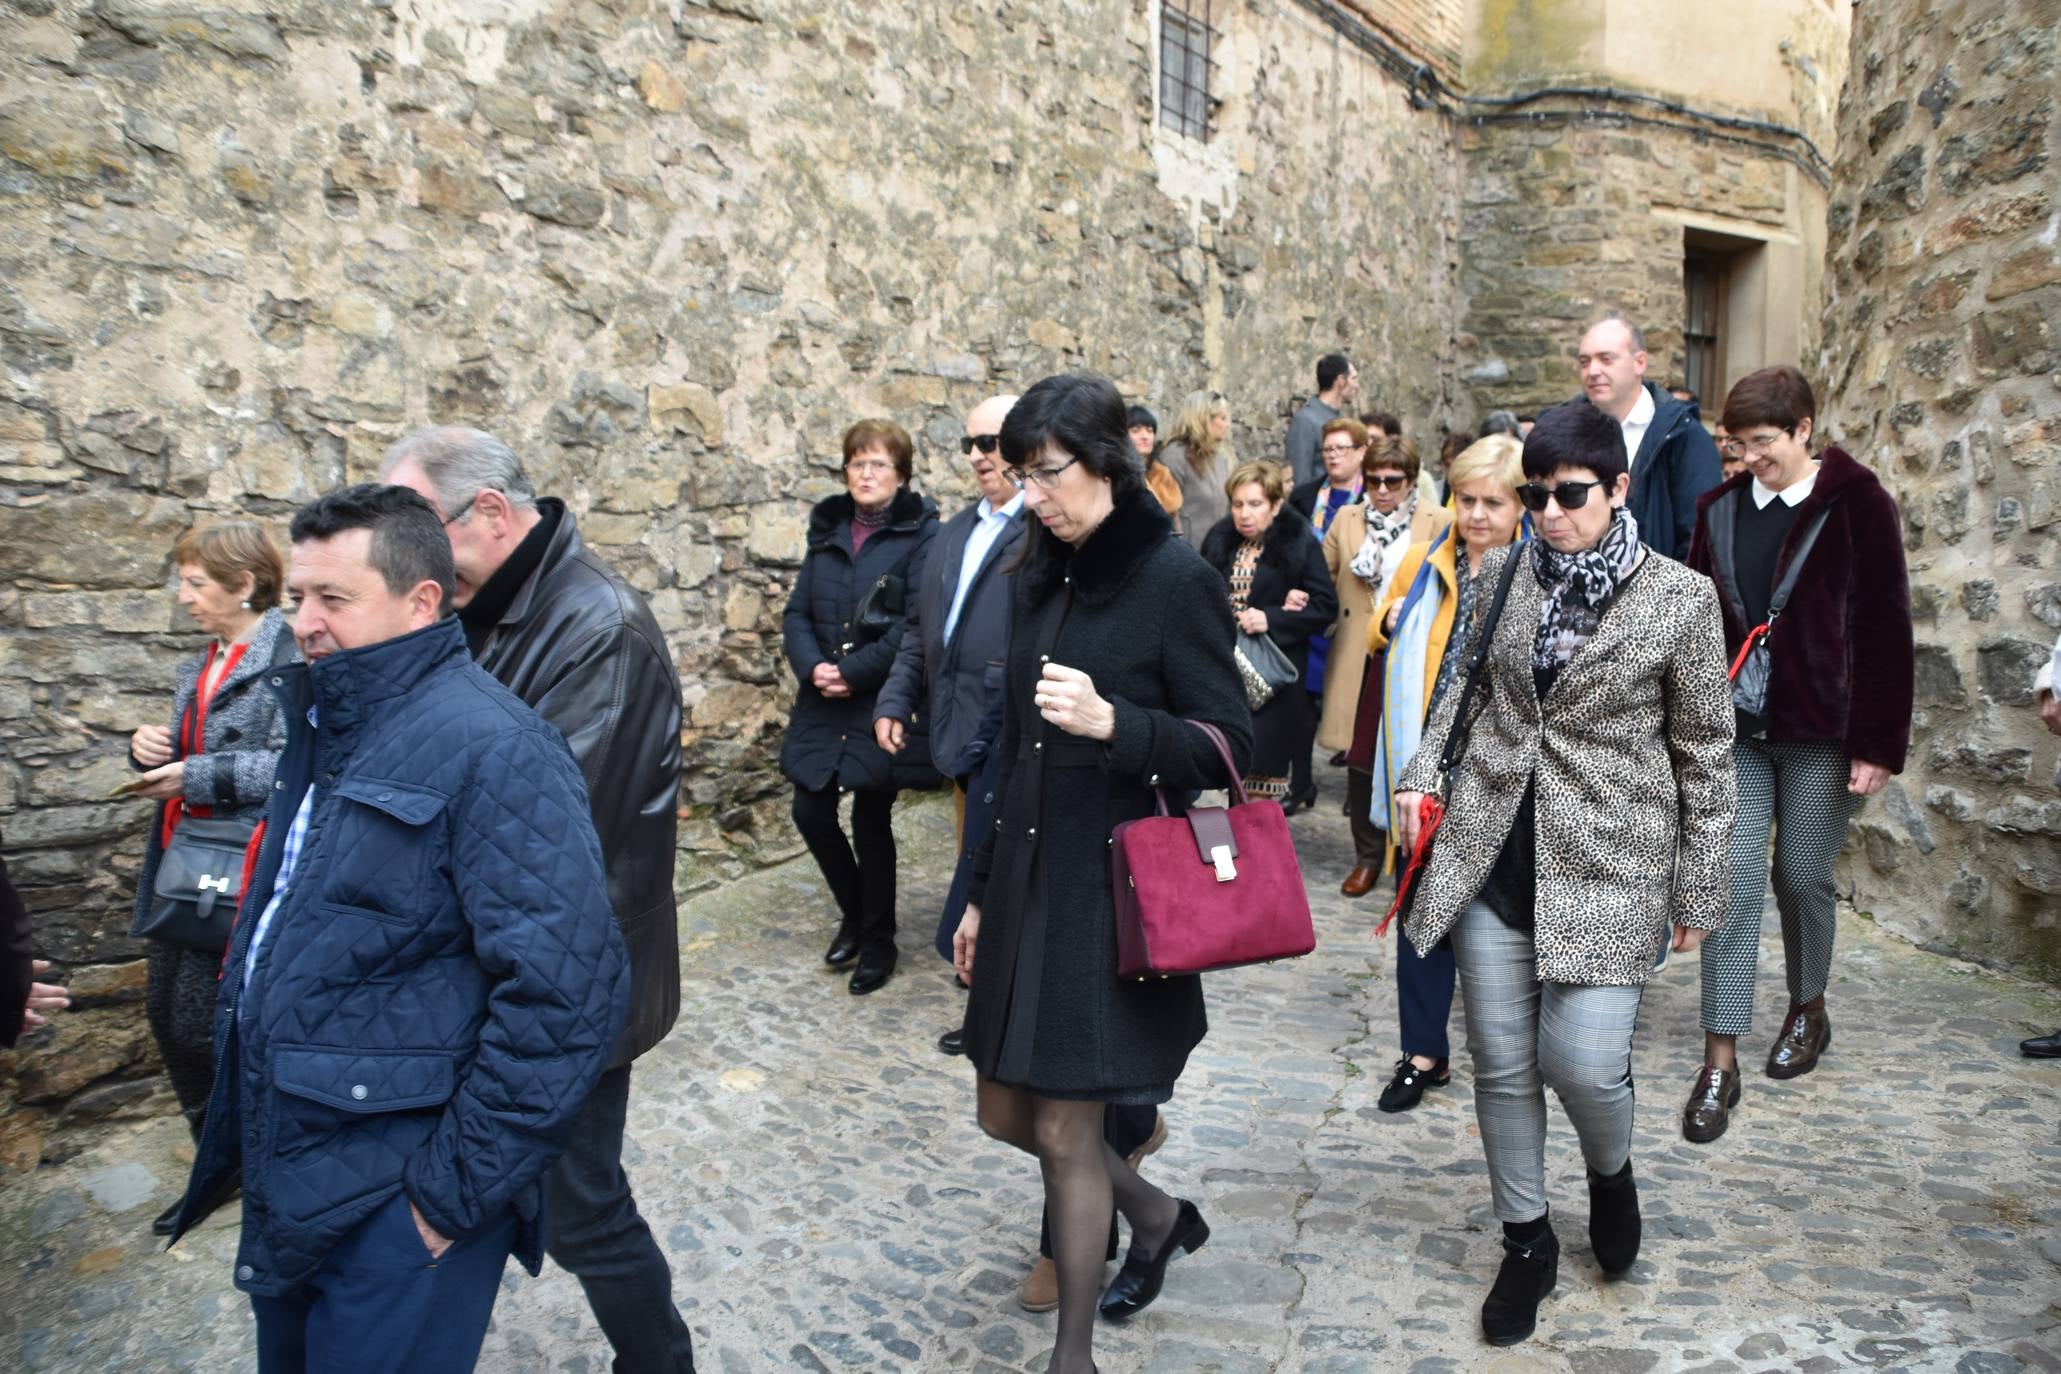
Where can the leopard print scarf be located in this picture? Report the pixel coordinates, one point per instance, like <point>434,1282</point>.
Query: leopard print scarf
<point>1577,586</point>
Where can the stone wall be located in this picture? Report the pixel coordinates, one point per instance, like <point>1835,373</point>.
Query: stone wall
<point>1943,372</point>
<point>669,249</point>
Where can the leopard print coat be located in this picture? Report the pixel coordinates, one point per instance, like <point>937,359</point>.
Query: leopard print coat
<point>1632,754</point>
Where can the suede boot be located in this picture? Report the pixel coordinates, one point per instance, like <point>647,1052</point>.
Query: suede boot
<point>1614,1219</point>
<point>1531,1267</point>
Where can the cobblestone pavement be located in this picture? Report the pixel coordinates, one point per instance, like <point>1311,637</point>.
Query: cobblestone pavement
<point>812,1165</point>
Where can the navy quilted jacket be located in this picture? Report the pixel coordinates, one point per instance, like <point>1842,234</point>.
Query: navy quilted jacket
<point>442,982</point>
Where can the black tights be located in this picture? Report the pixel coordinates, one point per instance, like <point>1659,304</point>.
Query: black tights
<point>1084,1177</point>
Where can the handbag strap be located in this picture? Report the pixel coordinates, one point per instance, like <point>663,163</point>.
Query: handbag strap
<point>1216,736</point>
<point>1794,571</point>
<point>1463,728</point>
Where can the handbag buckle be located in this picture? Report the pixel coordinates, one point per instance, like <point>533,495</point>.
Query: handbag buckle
<point>1221,857</point>
<point>208,882</point>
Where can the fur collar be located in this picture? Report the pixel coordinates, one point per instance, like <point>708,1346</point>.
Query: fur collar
<point>1279,549</point>
<point>832,513</point>
<point>1131,533</point>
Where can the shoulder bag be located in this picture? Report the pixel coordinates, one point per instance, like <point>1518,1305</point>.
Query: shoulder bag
<point>1263,668</point>
<point>1431,811</point>
<point>1217,888</point>
<point>1752,666</point>
<point>879,609</point>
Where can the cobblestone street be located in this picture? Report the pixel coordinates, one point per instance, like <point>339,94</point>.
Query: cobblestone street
<point>812,1166</point>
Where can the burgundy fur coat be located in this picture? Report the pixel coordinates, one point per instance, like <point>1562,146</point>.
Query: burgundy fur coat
<point>1841,653</point>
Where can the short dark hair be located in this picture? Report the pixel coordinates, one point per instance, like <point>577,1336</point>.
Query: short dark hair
<point>1083,414</point>
<point>1330,368</point>
<point>1499,422</point>
<point>1779,396</point>
<point>886,435</point>
<point>1393,452</point>
<point>1139,415</point>
<point>1383,421</point>
<point>408,545</point>
<point>1576,435</point>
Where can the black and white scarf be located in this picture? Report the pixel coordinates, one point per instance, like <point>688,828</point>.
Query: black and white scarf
<point>1382,533</point>
<point>1576,588</point>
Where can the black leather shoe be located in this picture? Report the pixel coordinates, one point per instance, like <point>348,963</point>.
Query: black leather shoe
<point>1406,1089</point>
<point>1614,1219</point>
<point>1141,1278</point>
<point>1529,1273</point>
<point>952,1041</point>
<point>2041,1046</point>
<point>843,949</point>
<point>873,972</point>
<point>1301,801</point>
<point>1710,1104</point>
<point>1805,1036</point>
<point>163,1225</point>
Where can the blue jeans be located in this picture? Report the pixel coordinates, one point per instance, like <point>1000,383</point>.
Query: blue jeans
<point>380,1302</point>
<point>1424,997</point>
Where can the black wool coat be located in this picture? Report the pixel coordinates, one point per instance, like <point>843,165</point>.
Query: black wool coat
<point>830,739</point>
<point>1291,559</point>
<point>1137,611</point>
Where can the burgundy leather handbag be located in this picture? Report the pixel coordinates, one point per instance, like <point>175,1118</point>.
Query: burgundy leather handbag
<point>1216,888</point>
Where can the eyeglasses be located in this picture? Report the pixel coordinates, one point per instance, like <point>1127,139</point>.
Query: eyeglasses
<point>1570,495</point>
<point>1335,451</point>
<point>873,465</point>
<point>461,512</point>
<point>1046,478</point>
<point>986,443</point>
<point>1390,481</point>
<point>1761,444</point>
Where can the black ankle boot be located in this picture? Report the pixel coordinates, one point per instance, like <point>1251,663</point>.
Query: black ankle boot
<point>1531,1266</point>
<point>1614,1219</point>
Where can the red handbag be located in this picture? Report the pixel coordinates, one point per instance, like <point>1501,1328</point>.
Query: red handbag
<point>1216,888</point>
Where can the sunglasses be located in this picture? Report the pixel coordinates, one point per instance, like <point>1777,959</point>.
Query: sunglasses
<point>1570,495</point>
<point>1389,481</point>
<point>986,443</point>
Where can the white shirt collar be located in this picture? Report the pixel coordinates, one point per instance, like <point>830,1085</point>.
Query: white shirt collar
<point>1641,413</point>
<point>988,512</point>
<point>1793,495</point>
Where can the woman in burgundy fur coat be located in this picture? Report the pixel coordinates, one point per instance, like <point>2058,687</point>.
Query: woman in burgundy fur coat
<point>1836,719</point>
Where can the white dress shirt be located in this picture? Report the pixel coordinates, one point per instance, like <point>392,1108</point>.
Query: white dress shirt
<point>988,525</point>
<point>1635,426</point>
<point>1792,496</point>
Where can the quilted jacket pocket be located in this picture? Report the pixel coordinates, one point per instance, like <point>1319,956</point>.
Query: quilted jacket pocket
<point>386,847</point>
<point>353,1081</point>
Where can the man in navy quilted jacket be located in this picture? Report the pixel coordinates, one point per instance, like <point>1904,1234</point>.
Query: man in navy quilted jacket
<point>425,979</point>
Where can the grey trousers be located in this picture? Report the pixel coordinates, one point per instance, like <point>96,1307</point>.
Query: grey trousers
<point>1800,790</point>
<point>1524,1034</point>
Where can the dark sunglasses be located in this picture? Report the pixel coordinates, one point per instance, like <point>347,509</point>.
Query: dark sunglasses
<point>1393,482</point>
<point>986,443</point>
<point>1570,495</point>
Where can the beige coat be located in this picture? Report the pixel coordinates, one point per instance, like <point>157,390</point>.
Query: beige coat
<point>1631,755</point>
<point>1347,664</point>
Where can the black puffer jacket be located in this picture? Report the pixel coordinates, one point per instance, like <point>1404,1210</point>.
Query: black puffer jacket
<point>582,649</point>
<point>830,739</point>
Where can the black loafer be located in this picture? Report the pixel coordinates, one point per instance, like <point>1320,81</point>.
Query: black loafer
<point>843,949</point>
<point>873,972</point>
<point>1406,1089</point>
<point>166,1219</point>
<point>2041,1046</point>
<point>952,1042</point>
<point>1141,1278</point>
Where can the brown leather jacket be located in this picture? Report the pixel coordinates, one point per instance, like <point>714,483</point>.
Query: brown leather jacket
<point>581,647</point>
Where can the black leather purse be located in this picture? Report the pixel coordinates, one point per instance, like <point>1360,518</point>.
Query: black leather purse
<point>879,609</point>
<point>198,885</point>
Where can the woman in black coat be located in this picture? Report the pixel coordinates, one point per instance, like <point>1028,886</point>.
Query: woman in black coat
<point>843,624</point>
<point>1118,636</point>
<point>1280,587</point>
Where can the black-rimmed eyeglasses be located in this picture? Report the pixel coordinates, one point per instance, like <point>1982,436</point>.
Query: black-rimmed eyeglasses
<point>1046,478</point>
<point>1570,495</point>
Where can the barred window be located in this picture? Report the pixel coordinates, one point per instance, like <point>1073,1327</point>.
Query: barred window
<point>1703,287</point>
<point>1185,38</point>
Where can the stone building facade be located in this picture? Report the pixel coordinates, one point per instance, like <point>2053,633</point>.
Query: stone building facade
<point>1942,366</point>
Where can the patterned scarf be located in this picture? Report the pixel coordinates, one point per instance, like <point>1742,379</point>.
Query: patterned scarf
<point>1449,667</point>
<point>1382,532</point>
<point>1577,586</point>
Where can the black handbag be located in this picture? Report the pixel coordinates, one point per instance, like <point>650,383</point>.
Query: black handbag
<point>198,885</point>
<point>1432,811</point>
<point>878,611</point>
<point>1263,668</point>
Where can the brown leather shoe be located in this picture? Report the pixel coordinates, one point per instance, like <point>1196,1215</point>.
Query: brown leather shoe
<point>1710,1103</point>
<point>1040,1287</point>
<point>1805,1036</point>
<point>1359,882</point>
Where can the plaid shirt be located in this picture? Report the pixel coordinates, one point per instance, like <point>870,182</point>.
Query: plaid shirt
<point>295,835</point>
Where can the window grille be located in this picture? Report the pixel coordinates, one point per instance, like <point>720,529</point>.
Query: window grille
<point>1185,42</point>
<point>1702,282</point>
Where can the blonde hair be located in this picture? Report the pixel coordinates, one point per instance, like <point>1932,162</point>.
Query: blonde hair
<point>1498,457</point>
<point>1191,426</point>
<point>228,550</point>
<point>1267,475</point>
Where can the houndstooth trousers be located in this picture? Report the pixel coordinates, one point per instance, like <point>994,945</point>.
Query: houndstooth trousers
<point>1799,790</point>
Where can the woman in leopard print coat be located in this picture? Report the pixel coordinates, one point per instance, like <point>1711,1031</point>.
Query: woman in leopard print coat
<point>1587,831</point>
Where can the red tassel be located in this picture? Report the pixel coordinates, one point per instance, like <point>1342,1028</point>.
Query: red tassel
<point>1753,637</point>
<point>1431,813</point>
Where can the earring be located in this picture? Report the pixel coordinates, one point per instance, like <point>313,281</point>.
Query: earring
<point>246,603</point>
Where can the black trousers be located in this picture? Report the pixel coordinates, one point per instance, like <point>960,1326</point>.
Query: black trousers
<point>1300,780</point>
<point>862,883</point>
<point>596,1235</point>
<point>1125,1128</point>
<point>1370,841</point>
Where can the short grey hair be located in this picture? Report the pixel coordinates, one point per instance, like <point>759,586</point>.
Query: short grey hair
<point>1616,316</point>
<point>461,463</point>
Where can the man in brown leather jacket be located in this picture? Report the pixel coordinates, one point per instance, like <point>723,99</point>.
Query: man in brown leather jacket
<point>560,629</point>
